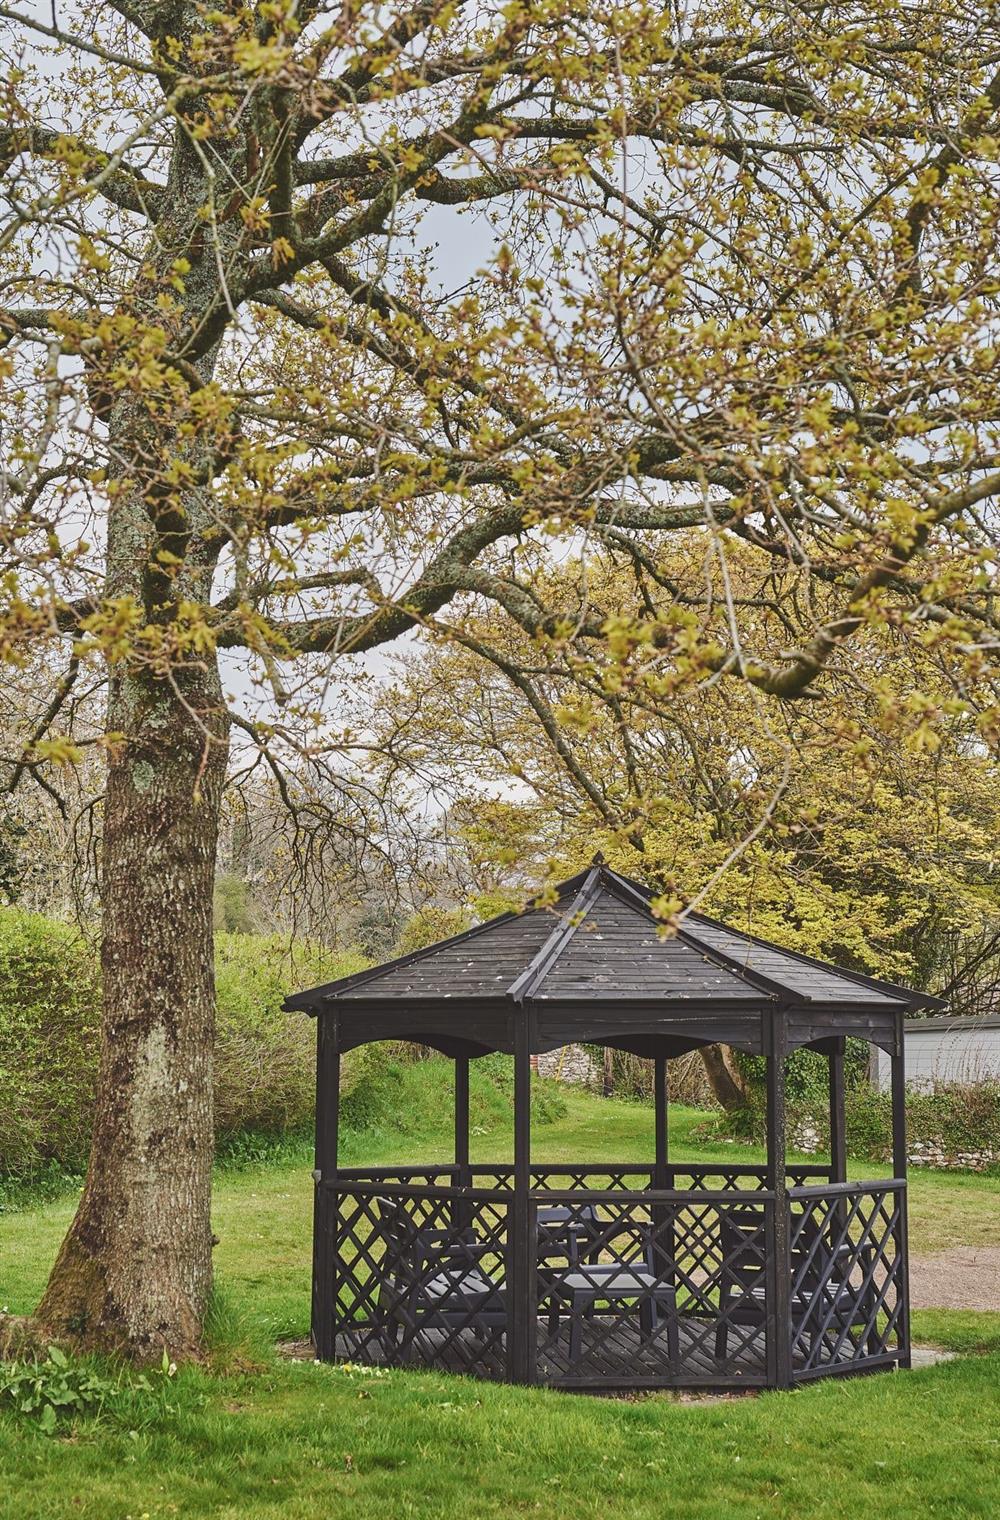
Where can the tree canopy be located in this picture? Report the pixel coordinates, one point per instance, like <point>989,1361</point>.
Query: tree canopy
<point>733,265</point>
<point>859,828</point>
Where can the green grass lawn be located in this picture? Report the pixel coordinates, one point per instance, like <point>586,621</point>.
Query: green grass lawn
<point>299,1440</point>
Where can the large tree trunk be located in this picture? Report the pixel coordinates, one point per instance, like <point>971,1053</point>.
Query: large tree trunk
<point>135,1270</point>
<point>724,1079</point>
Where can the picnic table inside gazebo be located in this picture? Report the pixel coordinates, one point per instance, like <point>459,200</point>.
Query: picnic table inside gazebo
<point>628,1273</point>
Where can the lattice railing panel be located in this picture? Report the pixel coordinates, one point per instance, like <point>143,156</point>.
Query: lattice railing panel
<point>739,1179</point>
<point>623,1287</point>
<point>629,1177</point>
<point>624,1176</point>
<point>402,1176</point>
<point>654,1296</point>
<point>848,1282</point>
<point>565,1175</point>
<point>418,1277</point>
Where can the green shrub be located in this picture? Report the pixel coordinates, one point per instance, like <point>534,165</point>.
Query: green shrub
<point>430,925</point>
<point>806,1073</point>
<point>231,907</point>
<point>957,1122</point>
<point>371,1087</point>
<point>952,1123</point>
<point>49,1042</point>
<point>265,1060</point>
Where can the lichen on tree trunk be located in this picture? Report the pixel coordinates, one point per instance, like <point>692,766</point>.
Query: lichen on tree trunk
<point>135,1269</point>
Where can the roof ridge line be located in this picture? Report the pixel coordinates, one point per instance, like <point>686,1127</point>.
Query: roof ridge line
<point>530,979</point>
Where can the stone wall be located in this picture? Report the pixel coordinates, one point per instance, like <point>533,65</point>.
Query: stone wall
<point>570,1064</point>
<point>930,1153</point>
<point>806,1136</point>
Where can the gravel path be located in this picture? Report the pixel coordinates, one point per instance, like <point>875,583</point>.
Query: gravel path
<point>966,1277</point>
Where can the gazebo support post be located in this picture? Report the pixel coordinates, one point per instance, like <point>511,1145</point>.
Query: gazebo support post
<point>324,1298</point>
<point>663,1233</point>
<point>899,1158</point>
<point>660,1101</point>
<point>778,1313</point>
<point>521,1310</point>
<point>838,1124</point>
<point>462,1174</point>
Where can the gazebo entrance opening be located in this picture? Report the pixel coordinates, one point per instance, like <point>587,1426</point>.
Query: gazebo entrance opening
<point>627,1274</point>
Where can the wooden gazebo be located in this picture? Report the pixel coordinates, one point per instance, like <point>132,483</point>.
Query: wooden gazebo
<point>635,1273</point>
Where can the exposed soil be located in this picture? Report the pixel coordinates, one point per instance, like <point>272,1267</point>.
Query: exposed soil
<point>966,1277</point>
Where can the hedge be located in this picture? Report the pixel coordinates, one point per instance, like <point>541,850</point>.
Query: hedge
<point>949,1124</point>
<point>50,1038</point>
<point>49,1042</point>
<point>264,1058</point>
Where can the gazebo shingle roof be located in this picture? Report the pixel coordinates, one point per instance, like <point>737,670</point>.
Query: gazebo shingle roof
<point>597,951</point>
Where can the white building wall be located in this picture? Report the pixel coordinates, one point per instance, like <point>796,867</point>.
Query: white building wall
<point>941,1052</point>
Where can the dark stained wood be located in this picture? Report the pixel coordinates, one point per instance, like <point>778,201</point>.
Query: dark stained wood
<point>854,1329</point>
<point>623,1359</point>
<point>552,948</point>
<point>617,1025</point>
<point>899,1165</point>
<point>778,1314</point>
<point>661,1121</point>
<point>838,1123</point>
<point>475,1026</point>
<point>462,1121</point>
<point>818,1025</point>
<point>324,1296</point>
<point>481,1029</point>
<point>816,980</point>
<point>510,933</point>
<point>520,1276</point>
<point>698,1369</point>
<point>661,1178</point>
<point>327,1094</point>
<point>596,969</point>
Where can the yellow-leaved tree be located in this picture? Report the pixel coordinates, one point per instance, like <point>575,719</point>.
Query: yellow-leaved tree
<point>859,826</point>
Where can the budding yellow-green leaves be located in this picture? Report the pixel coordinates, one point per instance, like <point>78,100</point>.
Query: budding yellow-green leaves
<point>56,749</point>
<point>703,297</point>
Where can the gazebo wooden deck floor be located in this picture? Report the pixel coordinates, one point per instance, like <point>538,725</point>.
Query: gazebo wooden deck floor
<point>619,1357</point>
